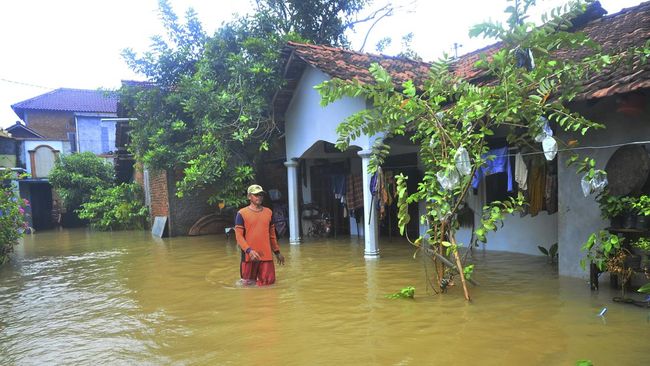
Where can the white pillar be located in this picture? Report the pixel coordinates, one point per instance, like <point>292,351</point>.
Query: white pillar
<point>294,210</point>
<point>370,226</point>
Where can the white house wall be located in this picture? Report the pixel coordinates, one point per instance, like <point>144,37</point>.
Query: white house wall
<point>580,216</point>
<point>306,122</point>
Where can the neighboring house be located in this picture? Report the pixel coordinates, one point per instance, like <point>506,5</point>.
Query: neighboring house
<point>310,131</point>
<point>8,150</point>
<point>62,121</point>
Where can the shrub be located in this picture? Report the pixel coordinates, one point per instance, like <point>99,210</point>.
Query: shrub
<point>75,177</point>
<point>12,216</point>
<point>115,208</point>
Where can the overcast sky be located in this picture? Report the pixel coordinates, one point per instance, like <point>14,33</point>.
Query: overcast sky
<point>49,44</point>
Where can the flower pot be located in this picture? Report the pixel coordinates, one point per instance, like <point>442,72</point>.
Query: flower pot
<point>629,220</point>
<point>642,222</point>
<point>616,222</point>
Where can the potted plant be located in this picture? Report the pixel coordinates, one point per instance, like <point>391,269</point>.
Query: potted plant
<point>629,214</point>
<point>600,247</point>
<point>641,207</point>
<point>612,208</point>
<point>642,246</point>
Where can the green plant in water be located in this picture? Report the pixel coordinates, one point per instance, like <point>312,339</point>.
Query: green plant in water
<point>405,293</point>
<point>600,247</point>
<point>645,289</point>
<point>12,215</point>
<point>551,252</point>
<point>115,208</point>
<point>584,363</point>
<point>452,119</point>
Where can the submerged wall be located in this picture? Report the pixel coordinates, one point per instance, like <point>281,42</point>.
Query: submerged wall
<point>519,234</point>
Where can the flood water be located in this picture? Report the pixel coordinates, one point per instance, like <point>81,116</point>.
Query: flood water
<point>81,297</point>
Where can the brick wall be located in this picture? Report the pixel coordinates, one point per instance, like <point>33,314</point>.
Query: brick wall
<point>159,193</point>
<point>187,210</point>
<point>51,124</point>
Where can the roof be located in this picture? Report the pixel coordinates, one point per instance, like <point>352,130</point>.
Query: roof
<point>20,131</point>
<point>4,133</point>
<point>71,100</point>
<point>628,28</point>
<point>343,64</point>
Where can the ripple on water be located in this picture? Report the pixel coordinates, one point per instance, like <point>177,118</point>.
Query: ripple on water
<point>75,297</point>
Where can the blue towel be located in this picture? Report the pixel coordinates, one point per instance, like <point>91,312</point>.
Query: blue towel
<point>500,164</point>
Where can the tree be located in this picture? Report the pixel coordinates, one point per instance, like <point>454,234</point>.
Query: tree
<point>207,109</point>
<point>75,177</point>
<point>12,215</point>
<point>452,118</point>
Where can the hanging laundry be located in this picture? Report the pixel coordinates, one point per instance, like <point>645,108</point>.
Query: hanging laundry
<point>338,185</point>
<point>536,185</point>
<point>521,172</point>
<point>500,164</point>
<point>354,192</point>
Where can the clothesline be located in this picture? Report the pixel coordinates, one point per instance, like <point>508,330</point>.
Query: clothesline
<point>574,149</point>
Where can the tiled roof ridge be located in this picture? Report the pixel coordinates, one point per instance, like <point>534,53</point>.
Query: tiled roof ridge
<point>358,53</point>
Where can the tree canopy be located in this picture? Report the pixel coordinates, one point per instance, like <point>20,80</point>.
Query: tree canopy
<point>206,108</point>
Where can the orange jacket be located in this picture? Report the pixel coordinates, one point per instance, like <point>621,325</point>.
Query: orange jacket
<point>255,230</point>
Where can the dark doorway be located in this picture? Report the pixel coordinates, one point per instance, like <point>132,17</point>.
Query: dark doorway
<point>39,195</point>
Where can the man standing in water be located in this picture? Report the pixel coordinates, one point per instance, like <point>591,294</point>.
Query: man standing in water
<point>256,237</point>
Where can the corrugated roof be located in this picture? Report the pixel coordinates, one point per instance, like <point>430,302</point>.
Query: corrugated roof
<point>72,100</point>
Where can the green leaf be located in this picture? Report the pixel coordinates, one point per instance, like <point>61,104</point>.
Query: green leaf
<point>645,289</point>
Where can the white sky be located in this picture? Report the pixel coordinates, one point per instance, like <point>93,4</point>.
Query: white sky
<point>77,43</point>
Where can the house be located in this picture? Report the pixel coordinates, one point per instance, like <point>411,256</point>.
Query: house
<point>8,150</point>
<point>62,121</point>
<point>310,132</point>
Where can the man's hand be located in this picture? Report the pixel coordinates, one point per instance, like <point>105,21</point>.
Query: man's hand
<point>253,255</point>
<point>280,258</point>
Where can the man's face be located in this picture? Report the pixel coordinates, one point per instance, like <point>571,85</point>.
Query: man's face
<point>257,198</point>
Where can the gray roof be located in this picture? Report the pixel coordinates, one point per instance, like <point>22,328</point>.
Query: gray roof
<point>71,100</point>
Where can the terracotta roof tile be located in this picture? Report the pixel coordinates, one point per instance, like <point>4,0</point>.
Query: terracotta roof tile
<point>628,28</point>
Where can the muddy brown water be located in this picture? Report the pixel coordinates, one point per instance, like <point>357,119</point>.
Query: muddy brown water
<point>81,297</point>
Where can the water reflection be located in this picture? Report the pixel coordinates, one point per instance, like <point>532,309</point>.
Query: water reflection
<point>80,297</point>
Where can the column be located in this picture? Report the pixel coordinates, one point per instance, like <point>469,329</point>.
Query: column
<point>370,226</point>
<point>294,210</point>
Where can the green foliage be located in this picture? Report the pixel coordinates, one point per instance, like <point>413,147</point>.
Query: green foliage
<point>468,271</point>
<point>12,215</point>
<point>405,293</point>
<point>584,363</point>
<point>642,205</point>
<point>611,206</point>
<point>642,243</point>
<point>600,248</point>
<point>645,289</point>
<point>75,177</point>
<point>208,109</point>
<point>115,208</point>
<point>551,252</point>
<point>448,113</point>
